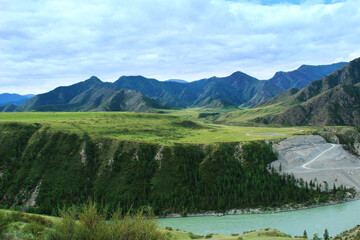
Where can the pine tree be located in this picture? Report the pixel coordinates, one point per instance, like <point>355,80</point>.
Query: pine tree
<point>326,234</point>
<point>316,237</point>
<point>305,234</point>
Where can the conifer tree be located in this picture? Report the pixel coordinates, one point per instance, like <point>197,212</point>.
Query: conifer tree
<point>326,234</point>
<point>305,234</point>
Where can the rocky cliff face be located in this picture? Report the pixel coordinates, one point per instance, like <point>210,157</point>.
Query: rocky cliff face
<point>348,137</point>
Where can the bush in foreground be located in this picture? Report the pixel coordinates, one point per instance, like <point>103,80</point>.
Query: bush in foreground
<point>89,223</point>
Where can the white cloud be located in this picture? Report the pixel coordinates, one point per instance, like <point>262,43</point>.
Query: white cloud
<point>46,43</point>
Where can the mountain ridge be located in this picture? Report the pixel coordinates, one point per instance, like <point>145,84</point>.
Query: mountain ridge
<point>304,75</point>
<point>90,95</point>
<point>332,100</point>
<point>238,88</point>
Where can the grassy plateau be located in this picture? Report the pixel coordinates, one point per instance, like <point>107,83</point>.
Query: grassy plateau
<point>167,129</point>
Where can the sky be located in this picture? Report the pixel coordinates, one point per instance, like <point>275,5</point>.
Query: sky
<point>50,43</point>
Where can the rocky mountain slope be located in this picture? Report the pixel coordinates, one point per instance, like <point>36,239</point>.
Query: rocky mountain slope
<point>332,100</point>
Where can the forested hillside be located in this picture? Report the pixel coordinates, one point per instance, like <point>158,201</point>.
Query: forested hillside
<point>42,169</point>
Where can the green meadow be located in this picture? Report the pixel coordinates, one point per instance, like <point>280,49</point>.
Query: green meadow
<point>182,126</point>
<point>244,116</point>
<point>235,117</point>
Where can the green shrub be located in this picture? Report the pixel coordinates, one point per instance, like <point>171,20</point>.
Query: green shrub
<point>234,234</point>
<point>37,218</point>
<point>195,236</point>
<point>4,222</point>
<point>168,228</point>
<point>93,225</point>
<point>16,216</point>
<point>66,229</point>
<point>34,228</point>
<point>209,235</point>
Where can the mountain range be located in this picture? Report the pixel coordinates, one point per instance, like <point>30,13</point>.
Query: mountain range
<point>141,94</point>
<point>236,89</point>
<point>90,95</point>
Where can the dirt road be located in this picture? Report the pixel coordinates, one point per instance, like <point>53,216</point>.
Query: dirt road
<point>312,158</point>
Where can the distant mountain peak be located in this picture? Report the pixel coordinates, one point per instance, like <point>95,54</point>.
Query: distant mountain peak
<point>239,74</point>
<point>132,77</point>
<point>94,79</point>
<point>304,66</point>
<point>176,80</point>
<point>280,73</point>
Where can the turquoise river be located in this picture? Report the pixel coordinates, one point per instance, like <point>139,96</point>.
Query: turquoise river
<point>336,218</point>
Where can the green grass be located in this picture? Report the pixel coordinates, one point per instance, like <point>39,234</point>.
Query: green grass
<point>193,113</point>
<point>164,129</point>
<point>76,224</point>
<point>238,117</point>
<point>244,116</point>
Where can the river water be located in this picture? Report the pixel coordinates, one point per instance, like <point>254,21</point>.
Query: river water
<point>336,218</point>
